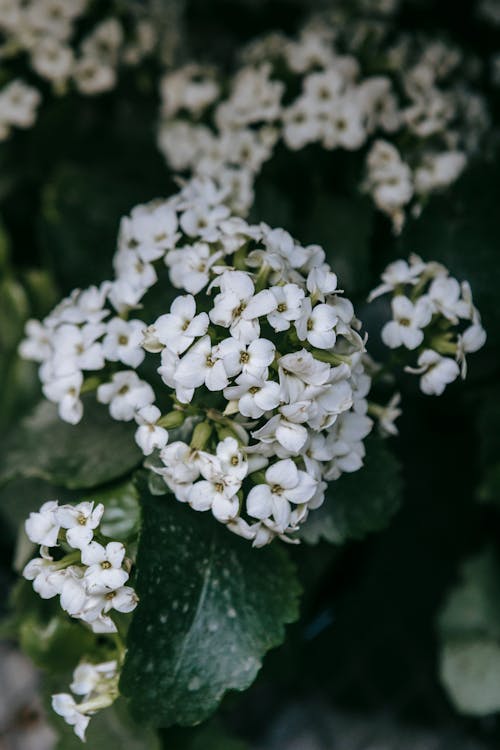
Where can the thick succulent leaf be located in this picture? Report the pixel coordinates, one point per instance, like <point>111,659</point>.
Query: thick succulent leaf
<point>96,451</point>
<point>210,607</point>
<point>359,503</point>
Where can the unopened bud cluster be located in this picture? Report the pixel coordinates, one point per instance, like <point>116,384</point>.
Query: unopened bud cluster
<point>434,316</point>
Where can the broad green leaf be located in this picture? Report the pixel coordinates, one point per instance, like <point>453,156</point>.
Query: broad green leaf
<point>469,627</point>
<point>359,503</point>
<point>96,451</point>
<point>210,607</point>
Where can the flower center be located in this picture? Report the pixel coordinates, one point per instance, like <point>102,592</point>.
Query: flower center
<point>123,340</point>
<point>253,390</point>
<point>106,565</point>
<point>124,389</point>
<point>238,310</point>
<point>281,307</point>
<point>244,357</point>
<point>277,489</point>
<point>82,520</point>
<point>405,322</point>
<point>234,460</point>
<point>209,361</point>
<point>219,487</point>
<point>185,325</point>
<point>310,324</point>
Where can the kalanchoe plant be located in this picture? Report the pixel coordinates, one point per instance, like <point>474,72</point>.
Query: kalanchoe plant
<point>249,387</point>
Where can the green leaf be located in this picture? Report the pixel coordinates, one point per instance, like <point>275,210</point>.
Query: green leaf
<point>122,512</point>
<point>360,503</point>
<point>96,451</point>
<point>210,607</point>
<point>469,627</point>
<point>489,489</point>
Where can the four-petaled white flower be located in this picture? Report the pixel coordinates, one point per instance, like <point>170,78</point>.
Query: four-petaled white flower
<point>178,329</point>
<point>104,571</point>
<point>408,321</point>
<point>42,527</point>
<point>149,435</point>
<point>122,342</point>
<point>126,395</point>
<point>238,308</point>
<point>437,372</point>
<point>79,521</point>
<point>286,486</point>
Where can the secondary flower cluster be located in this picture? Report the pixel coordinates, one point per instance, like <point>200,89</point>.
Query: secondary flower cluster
<point>97,685</point>
<point>89,577</point>
<point>261,355</point>
<point>433,315</point>
<point>417,94</point>
<point>46,30</point>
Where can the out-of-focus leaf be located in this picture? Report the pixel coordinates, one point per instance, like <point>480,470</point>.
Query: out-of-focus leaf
<point>469,627</point>
<point>96,451</point>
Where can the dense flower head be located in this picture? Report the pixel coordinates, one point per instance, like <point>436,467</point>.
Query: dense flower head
<point>415,112</point>
<point>434,316</point>
<point>88,575</point>
<point>259,357</point>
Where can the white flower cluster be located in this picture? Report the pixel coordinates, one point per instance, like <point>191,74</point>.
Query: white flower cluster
<point>89,577</point>
<point>433,315</point>
<point>45,30</point>
<point>420,98</point>
<point>261,349</point>
<point>97,684</point>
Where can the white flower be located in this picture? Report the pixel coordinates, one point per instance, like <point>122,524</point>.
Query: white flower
<point>178,329</point>
<point>104,572</point>
<point>122,342</point>
<point>255,395</point>
<point>397,274</point>
<point>437,372</point>
<point>43,527</point>
<point>126,395</point>
<point>65,392</point>
<point>76,348</point>
<point>288,306</point>
<point>445,294</point>
<point>37,345</point>
<point>321,281</point>
<point>181,465</point>
<point>48,579</point>
<point>79,521</point>
<point>190,266</point>
<point>88,678</point>
<point>217,491</point>
<point>409,319</point>
<point>65,705</point>
<point>202,364</point>
<point>317,324</point>
<point>285,485</point>
<point>286,427</point>
<point>149,435</point>
<point>238,308</point>
<point>300,368</point>
<point>252,360</point>
<point>151,230</point>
